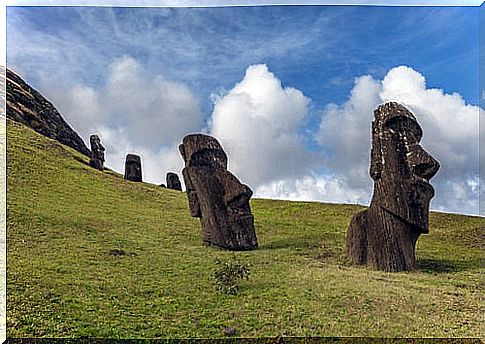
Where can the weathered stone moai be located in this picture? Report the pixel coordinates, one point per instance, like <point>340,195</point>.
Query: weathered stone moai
<point>216,196</point>
<point>97,153</point>
<point>133,168</point>
<point>384,236</point>
<point>173,181</point>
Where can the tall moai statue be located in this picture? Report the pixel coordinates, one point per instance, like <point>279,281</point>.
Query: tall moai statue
<point>216,196</point>
<point>173,181</point>
<point>384,236</point>
<point>97,153</point>
<point>133,168</point>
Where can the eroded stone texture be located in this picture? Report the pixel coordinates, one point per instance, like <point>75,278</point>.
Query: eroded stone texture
<point>133,168</point>
<point>97,153</point>
<point>27,106</point>
<point>384,236</point>
<point>216,196</point>
<point>173,181</point>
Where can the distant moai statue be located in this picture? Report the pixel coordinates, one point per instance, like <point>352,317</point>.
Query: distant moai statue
<point>216,196</point>
<point>133,168</point>
<point>97,153</point>
<point>173,181</point>
<point>384,236</point>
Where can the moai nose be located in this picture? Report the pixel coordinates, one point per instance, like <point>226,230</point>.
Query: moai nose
<point>422,163</point>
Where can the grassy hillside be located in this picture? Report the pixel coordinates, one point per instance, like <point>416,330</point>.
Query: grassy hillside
<point>63,218</point>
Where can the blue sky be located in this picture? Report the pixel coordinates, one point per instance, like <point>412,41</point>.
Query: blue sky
<point>196,57</point>
<point>317,49</point>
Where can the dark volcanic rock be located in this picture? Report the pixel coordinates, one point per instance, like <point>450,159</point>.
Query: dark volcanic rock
<point>133,168</point>
<point>97,153</point>
<point>384,236</point>
<point>216,196</point>
<point>173,181</point>
<point>27,106</point>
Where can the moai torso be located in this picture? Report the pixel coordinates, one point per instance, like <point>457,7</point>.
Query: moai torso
<point>384,236</point>
<point>216,196</point>
<point>173,181</point>
<point>133,168</point>
<point>97,153</point>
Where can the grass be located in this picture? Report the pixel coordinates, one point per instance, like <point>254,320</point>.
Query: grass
<point>63,218</point>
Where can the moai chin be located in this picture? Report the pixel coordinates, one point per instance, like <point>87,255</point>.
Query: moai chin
<point>216,196</point>
<point>97,153</point>
<point>384,236</point>
<point>133,168</point>
<point>173,181</point>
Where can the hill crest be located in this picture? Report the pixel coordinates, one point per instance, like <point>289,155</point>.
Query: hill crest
<point>28,106</point>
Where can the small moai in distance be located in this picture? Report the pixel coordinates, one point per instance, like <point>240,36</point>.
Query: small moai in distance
<point>133,168</point>
<point>173,181</point>
<point>384,236</point>
<point>97,153</point>
<point>216,196</point>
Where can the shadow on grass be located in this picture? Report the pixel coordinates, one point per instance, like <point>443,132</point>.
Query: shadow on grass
<point>446,266</point>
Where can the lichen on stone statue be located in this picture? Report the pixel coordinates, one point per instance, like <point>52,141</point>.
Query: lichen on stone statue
<point>384,236</point>
<point>216,196</point>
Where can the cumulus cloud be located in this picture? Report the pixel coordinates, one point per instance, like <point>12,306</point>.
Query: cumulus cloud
<point>132,112</point>
<point>257,122</point>
<point>312,188</point>
<point>155,163</point>
<point>450,134</point>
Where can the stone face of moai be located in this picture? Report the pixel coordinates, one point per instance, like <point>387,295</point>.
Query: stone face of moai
<point>384,236</point>
<point>173,181</point>
<point>216,196</point>
<point>97,153</point>
<point>133,168</point>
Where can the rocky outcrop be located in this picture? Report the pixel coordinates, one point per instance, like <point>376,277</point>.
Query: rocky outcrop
<point>27,106</point>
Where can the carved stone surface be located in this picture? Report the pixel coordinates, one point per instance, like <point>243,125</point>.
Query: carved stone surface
<point>216,196</point>
<point>97,153</point>
<point>133,168</point>
<point>173,181</point>
<point>384,236</point>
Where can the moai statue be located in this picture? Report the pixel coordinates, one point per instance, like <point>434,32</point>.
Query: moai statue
<point>133,168</point>
<point>173,181</point>
<point>384,236</point>
<point>216,196</point>
<point>97,153</point>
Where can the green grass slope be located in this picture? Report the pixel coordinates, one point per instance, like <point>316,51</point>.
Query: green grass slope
<point>64,217</point>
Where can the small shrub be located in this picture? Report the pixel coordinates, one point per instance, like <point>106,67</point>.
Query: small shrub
<point>227,274</point>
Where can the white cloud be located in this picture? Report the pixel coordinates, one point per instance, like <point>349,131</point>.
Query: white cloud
<point>155,163</point>
<point>257,123</point>
<point>450,134</point>
<point>133,112</point>
<point>312,188</point>
<point>345,130</point>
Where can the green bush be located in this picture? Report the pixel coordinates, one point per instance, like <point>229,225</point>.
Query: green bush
<point>227,274</point>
